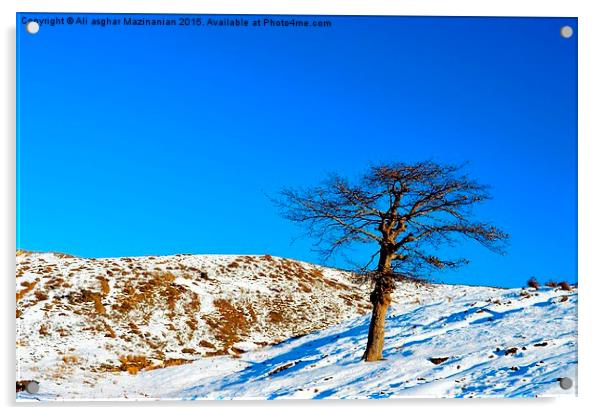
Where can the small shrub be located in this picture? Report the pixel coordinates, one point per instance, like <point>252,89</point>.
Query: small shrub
<point>134,328</point>
<point>109,331</point>
<point>98,306</point>
<point>205,343</point>
<point>93,297</point>
<point>104,285</point>
<point>192,324</point>
<point>70,359</point>
<point>275,317</point>
<point>195,303</point>
<point>316,273</point>
<point>133,364</point>
<point>175,362</point>
<point>304,288</point>
<point>552,284</point>
<point>532,283</point>
<point>28,287</point>
<point>565,286</point>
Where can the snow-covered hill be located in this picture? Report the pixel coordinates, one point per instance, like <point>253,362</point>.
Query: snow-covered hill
<point>129,314</point>
<point>442,340</point>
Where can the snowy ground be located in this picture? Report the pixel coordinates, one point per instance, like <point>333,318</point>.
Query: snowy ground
<point>119,314</point>
<point>489,343</point>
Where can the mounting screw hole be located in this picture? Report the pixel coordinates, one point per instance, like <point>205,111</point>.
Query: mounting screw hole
<point>566,32</point>
<point>32,387</point>
<point>566,383</point>
<point>32,27</point>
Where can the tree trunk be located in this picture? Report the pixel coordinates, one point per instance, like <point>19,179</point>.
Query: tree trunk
<point>380,299</point>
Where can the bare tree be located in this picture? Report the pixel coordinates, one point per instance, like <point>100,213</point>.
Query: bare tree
<point>407,211</point>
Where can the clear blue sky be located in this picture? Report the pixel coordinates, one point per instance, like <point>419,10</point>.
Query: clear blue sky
<point>155,140</point>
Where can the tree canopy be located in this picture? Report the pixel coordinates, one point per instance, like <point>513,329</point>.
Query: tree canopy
<point>406,210</point>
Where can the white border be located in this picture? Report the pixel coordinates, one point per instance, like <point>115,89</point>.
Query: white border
<point>590,175</point>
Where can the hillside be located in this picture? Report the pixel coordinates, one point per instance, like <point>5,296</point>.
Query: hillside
<point>128,314</point>
<point>442,340</point>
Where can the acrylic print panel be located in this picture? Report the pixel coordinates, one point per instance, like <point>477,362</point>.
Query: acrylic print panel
<point>308,207</point>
